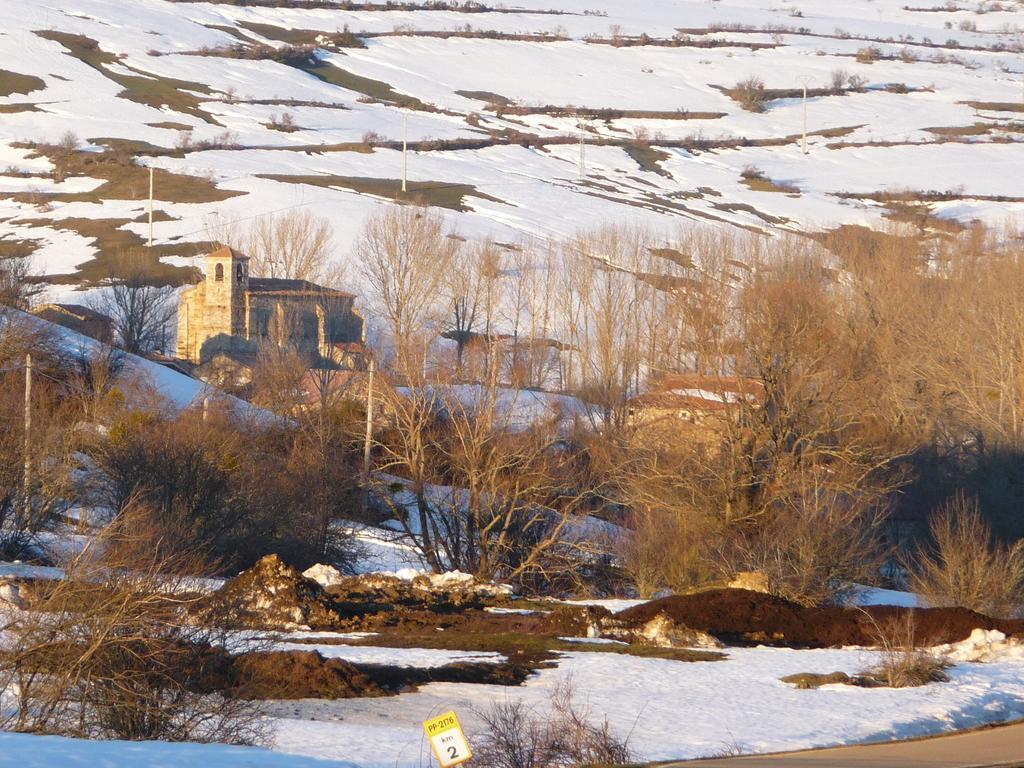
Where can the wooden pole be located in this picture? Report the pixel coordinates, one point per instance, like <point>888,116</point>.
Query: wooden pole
<point>28,440</point>
<point>405,150</point>
<point>151,206</point>
<point>583,154</point>
<point>369,421</point>
<point>805,119</point>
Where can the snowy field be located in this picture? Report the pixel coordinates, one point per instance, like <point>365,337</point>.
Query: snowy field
<point>936,107</point>
<point>668,709</point>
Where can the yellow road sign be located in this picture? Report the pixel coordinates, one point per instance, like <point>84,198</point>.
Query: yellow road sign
<point>447,740</point>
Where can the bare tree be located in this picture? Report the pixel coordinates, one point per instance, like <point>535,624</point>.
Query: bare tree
<point>109,652</point>
<point>963,566</point>
<point>405,256</point>
<point>142,311</point>
<point>294,245</point>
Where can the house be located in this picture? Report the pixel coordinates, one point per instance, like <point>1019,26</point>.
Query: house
<point>230,314</point>
<point>697,400</point>
<point>80,319</point>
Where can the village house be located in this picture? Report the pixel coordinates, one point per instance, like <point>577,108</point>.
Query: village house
<point>223,321</point>
<point>80,319</point>
<point>691,400</point>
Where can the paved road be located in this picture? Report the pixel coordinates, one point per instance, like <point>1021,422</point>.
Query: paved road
<point>1002,746</point>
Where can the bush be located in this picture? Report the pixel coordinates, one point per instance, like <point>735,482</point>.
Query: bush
<point>904,664</point>
<point>663,551</point>
<point>869,54</point>
<point>212,486</point>
<point>108,653</point>
<point>750,94</point>
<point>517,737</point>
<point>963,566</point>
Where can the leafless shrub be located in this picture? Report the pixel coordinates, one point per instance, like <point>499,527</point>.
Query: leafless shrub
<point>663,550</point>
<point>857,83</point>
<point>518,737</point>
<point>62,153</point>
<point>963,566</point>
<point>108,652</point>
<point>285,123</point>
<point>869,54</point>
<point>294,245</point>
<point>903,663</point>
<point>750,94</point>
<point>837,80</point>
<point>183,141</point>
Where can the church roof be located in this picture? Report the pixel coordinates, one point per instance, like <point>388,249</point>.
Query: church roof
<point>281,285</point>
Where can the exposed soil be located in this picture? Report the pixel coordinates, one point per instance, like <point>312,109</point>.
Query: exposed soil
<point>275,595</point>
<point>298,675</point>
<point>739,617</point>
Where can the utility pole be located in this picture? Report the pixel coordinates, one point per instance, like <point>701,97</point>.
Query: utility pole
<point>151,207</point>
<point>405,150</point>
<point>583,152</point>
<point>28,440</point>
<point>1020,48</point>
<point>804,141</point>
<point>369,421</point>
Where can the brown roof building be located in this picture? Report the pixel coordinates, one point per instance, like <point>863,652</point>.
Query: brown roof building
<point>80,319</point>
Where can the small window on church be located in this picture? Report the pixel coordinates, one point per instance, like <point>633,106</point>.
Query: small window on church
<point>239,274</point>
<point>218,273</point>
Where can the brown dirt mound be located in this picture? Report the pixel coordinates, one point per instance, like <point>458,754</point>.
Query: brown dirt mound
<point>377,593</point>
<point>298,675</point>
<point>739,616</point>
<point>274,595</point>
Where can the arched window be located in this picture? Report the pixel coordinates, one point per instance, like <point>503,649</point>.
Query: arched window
<point>218,273</point>
<point>239,274</point>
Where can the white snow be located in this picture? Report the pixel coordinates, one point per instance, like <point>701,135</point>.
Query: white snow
<point>536,190</point>
<point>673,709</point>
<point>324,575</point>
<point>419,658</point>
<point>29,751</point>
<point>984,645</point>
<point>863,595</point>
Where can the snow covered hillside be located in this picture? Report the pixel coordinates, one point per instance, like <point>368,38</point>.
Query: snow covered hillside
<point>249,110</point>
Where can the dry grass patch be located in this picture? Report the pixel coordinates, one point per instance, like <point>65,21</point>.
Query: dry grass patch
<point>756,180</point>
<point>977,129</point>
<point>143,88</point>
<point>340,39</point>
<point>123,179</point>
<point>14,82</point>
<point>13,109</point>
<point>111,243</point>
<point>648,158</point>
<point>996,106</point>
<point>373,89</point>
<point>11,248</point>
<point>435,193</point>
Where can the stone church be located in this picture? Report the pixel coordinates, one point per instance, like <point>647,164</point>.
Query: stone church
<point>230,314</point>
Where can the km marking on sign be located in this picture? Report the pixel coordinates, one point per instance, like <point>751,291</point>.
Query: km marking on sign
<point>447,740</point>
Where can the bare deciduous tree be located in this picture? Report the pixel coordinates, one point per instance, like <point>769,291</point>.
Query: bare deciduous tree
<point>142,310</point>
<point>294,245</point>
<point>963,566</point>
<point>405,256</point>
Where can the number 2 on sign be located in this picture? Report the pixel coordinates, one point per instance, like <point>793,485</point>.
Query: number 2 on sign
<point>447,740</point>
